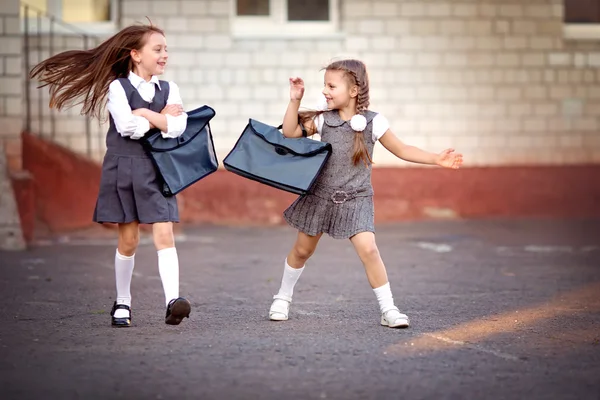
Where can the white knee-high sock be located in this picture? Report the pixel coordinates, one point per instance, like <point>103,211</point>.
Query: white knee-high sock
<point>290,277</point>
<point>168,268</point>
<point>384,297</point>
<point>123,273</point>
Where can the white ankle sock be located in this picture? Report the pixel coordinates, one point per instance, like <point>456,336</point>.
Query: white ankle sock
<point>384,297</point>
<point>168,268</point>
<point>123,273</point>
<point>290,277</point>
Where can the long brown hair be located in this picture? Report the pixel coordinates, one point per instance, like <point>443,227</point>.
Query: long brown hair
<point>355,73</point>
<point>83,76</point>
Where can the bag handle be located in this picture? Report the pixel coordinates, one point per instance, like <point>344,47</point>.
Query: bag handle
<point>304,133</point>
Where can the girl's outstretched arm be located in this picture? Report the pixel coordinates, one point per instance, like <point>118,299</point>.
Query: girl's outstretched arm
<point>446,158</point>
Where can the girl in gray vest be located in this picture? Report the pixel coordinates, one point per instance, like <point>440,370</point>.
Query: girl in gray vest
<point>341,201</point>
<point>124,71</point>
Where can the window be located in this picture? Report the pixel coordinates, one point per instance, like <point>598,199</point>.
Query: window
<point>582,19</point>
<point>284,17</point>
<point>582,11</point>
<point>253,7</point>
<point>89,16</point>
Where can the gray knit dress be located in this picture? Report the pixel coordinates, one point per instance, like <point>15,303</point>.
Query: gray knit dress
<point>341,200</point>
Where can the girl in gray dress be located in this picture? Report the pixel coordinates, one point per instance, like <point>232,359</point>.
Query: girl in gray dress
<point>341,201</point>
<point>124,70</point>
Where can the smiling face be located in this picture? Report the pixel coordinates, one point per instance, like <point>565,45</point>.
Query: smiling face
<point>151,59</point>
<point>339,92</point>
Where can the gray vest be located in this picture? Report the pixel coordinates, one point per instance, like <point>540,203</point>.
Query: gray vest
<point>124,146</point>
<point>340,172</point>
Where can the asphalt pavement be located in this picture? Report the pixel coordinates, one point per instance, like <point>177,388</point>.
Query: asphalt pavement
<point>500,309</point>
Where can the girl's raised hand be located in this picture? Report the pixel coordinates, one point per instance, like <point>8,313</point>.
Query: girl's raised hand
<point>296,88</point>
<point>449,159</point>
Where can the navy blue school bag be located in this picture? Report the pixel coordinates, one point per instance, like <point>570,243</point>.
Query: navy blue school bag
<point>186,159</point>
<point>264,155</point>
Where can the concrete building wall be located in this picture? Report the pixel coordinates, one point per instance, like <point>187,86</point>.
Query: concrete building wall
<point>11,82</point>
<point>495,79</point>
<point>11,122</point>
<point>498,81</point>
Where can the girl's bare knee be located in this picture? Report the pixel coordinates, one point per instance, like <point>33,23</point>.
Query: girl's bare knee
<point>163,241</point>
<point>128,244</point>
<point>163,236</point>
<point>129,238</point>
<point>369,252</point>
<point>303,252</point>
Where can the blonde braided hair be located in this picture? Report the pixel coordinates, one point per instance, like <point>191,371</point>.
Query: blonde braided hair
<point>355,72</point>
<point>362,104</point>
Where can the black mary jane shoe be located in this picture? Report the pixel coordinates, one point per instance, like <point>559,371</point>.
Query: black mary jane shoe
<point>120,322</point>
<point>177,310</point>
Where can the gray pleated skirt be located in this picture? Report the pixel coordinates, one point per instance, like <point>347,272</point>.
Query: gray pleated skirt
<point>313,214</point>
<point>130,191</point>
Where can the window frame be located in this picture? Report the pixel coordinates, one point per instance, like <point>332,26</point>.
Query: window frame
<point>580,30</point>
<point>277,25</point>
<point>54,9</point>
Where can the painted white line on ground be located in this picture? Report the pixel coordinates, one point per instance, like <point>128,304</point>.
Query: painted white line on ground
<point>33,261</point>
<point>144,241</point>
<point>548,249</point>
<point>437,247</point>
<point>586,249</point>
<point>540,249</point>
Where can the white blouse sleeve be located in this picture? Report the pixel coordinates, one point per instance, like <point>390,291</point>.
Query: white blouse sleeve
<point>175,125</point>
<point>380,126</point>
<point>126,123</point>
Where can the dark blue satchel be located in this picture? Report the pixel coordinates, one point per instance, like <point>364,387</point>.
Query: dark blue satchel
<point>264,155</point>
<point>188,158</point>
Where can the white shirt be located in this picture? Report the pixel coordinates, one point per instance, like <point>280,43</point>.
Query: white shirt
<point>380,125</point>
<point>135,126</point>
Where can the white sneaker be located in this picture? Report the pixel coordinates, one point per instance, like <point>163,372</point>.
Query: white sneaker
<point>394,319</point>
<point>280,308</point>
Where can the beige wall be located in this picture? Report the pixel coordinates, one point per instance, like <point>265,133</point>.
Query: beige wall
<point>85,10</point>
<point>37,4</point>
<point>11,119</point>
<point>72,10</point>
<point>497,81</point>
